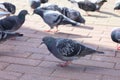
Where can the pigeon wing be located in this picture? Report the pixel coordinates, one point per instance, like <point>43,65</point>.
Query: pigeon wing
<point>8,23</point>
<point>68,48</point>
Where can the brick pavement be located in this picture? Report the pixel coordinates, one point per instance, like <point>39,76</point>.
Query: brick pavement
<point>25,59</point>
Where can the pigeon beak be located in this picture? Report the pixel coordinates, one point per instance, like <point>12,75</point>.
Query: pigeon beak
<point>41,43</point>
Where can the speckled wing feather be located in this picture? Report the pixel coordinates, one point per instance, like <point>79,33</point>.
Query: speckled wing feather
<point>68,48</point>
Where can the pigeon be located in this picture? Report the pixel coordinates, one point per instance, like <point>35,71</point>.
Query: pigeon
<point>35,3</point>
<point>115,36</point>
<point>117,5</point>
<point>89,5</point>
<point>67,49</point>
<point>54,18</point>
<point>70,13</point>
<point>53,7</point>
<point>99,3</point>
<point>13,23</point>
<point>73,14</point>
<point>7,7</point>
<point>8,35</point>
<point>44,1</point>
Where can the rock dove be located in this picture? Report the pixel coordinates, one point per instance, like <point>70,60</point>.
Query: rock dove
<point>99,3</point>
<point>67,49</point>
<point>8,35</point>
<point>44,1</point>
<point>115,36</point>
<point>117,5</point>
<point>7,7</point>
<point>54,18</point>
<point>89,5</point>
<point>35,3</point>
<point>73,14</point>
<point>70,13</point>
<point>13,23</point>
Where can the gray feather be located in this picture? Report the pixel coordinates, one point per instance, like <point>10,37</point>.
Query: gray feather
<point>54,18</point>
<point>115,35</point>
<point>7,35</point>
<point>67,49</point>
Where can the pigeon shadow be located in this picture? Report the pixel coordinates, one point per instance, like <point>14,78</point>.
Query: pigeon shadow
<point>109,13</point>
<point>96,16</point>
<point>76,35</point>
<point>86,27</point>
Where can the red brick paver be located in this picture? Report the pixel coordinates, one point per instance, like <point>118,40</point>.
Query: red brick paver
<point>25,59</point>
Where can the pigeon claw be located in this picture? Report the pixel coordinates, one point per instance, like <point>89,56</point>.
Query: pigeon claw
<point>64,64</point>
<point>47,30</point>
<point>118,48</point>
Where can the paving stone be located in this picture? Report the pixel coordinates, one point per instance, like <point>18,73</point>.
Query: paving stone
<point>75,73</point>
<point>94,63</point>
<point>103,71</point>
<point>19,60</point>
<point>111,78</point>
<point>9,75</point>
<point>29,69</point>
<point>39,77</point>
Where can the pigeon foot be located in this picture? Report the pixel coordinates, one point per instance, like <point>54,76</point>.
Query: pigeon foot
<point>118,48</point>
<point>64,64</point>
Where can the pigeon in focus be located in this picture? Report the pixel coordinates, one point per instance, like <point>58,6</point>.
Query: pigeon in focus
<point>117,5</point>
<point>70,13</point>
<point>7,8</point>
<point>35,3</point>
<point>89,5</point>
<point>115,36</point>
<point>66,49</point>
<point>8,35</point>
<point>13,23</point>
<point>54,18</point>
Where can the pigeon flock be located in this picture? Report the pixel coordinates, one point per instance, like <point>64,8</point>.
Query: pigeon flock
<point>54,15</point>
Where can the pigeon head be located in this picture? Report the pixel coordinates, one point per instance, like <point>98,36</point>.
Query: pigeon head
<point>104,0</point>
<point>48,40</point>
<point>82,20</point>
<point>10,7</point>
<point>23,13</point>
<point>35,4</point>
<point>44,1</point>
<point>39,11</point>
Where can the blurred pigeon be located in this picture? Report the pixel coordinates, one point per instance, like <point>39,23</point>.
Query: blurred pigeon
<point>117,5</point>
<point>89,5</point>
<point>73,14</point>
<point>44,1</point>
<point>34,3</point>
<point>54,18</point>
<point>70,13</point>
<point>13,23</point>
<point>53,7</point>
<point>8,35</point>
<point>99,3</point>
<point>7,8</point>
<point>67,49</point>
<point>115,36</point>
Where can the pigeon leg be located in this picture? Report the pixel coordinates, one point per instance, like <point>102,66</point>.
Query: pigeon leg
<point>65,64</point>
<point>56,29</point>
<point>87,14</point>
<point>48,30</point>
<point>118,47</point>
